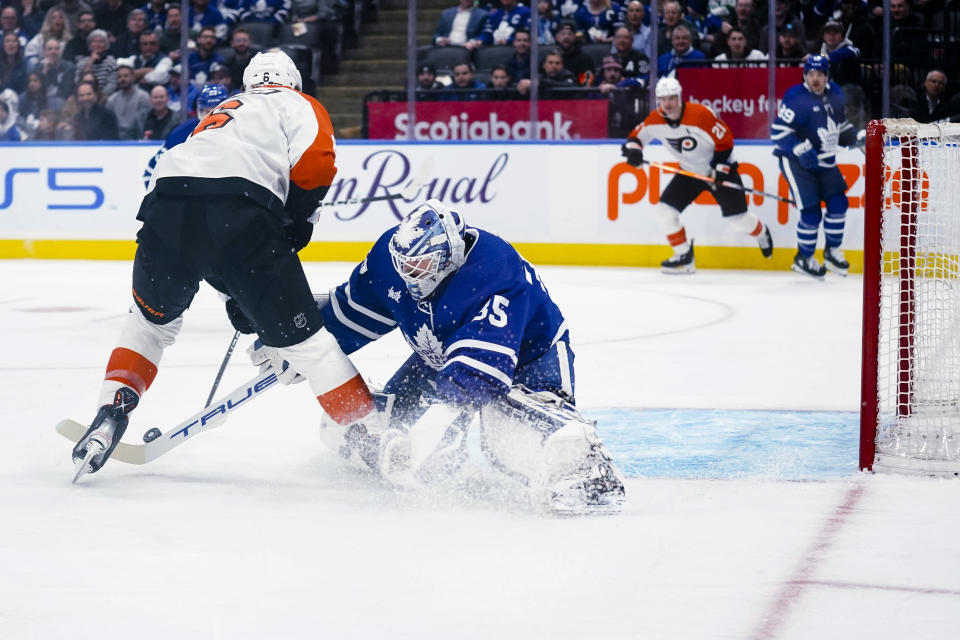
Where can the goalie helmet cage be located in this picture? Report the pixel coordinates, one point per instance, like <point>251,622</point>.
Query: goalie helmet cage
<point>910,383</point>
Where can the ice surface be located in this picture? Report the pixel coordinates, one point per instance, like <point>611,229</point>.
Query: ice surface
<point>254,531</point>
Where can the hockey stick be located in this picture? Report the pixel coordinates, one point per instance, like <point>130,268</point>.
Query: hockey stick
<point>407,193</point>
<point>223,365</point>
<point>732,185</point>
<point>201,422</point>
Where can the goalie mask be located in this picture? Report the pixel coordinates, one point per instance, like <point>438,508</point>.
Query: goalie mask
<point>427,247</point>
<point>272,67</point>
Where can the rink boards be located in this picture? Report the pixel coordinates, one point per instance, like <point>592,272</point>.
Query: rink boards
<point>570,203</point>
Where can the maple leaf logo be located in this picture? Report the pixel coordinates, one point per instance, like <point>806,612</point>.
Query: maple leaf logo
<point>393,294</point>
<point>409,230</point>
<point>428,348</point>
<point>829,136</point>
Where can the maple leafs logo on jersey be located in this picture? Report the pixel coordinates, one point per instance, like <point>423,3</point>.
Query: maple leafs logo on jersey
<point>829,136</point>
<point>393,294</point>
<point>409,230</point>
<point>428,348</point>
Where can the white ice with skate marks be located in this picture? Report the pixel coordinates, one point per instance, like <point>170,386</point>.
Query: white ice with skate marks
<point>254,531</point>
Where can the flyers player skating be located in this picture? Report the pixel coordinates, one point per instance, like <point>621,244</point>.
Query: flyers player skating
<point>704,145</point>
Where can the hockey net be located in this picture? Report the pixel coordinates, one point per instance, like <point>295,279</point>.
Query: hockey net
<point>910,394</point>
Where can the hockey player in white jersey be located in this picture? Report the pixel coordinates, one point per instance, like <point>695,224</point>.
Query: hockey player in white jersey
<point>703,144</point>
<point>232,206</point>
<point>489,343</point>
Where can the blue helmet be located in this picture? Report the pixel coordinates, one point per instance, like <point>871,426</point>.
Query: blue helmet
<point>210,96</point>
<point>818,62</point>
<point>427,247</point>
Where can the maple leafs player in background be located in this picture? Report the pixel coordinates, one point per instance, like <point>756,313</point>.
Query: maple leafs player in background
<point>487,339</point>
<point>703,144</point>
<point>210,96</point>
<point>232,205</point>
<point>810,127</point>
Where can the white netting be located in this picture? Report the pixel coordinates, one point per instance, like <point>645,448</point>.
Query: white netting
<point>919,339</point>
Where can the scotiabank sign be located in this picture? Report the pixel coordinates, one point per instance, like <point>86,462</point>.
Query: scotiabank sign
<point>489,120</point>
<point>737,96</point>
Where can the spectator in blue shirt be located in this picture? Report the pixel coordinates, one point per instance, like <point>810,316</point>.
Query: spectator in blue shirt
<point>503,23</point>
<point>271,11</point>
<point>682,41</point>
<point>203,56</point>
<point>463,82</point>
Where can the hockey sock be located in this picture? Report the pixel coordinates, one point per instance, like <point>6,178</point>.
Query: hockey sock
<point>807,228</point>
<point>669,220</point>
<point>679,242</point>
<point>833,224</point>
<point>349,402</point>
<point>747,222</point>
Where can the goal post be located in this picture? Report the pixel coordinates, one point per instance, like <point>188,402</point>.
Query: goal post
<point>910,375</point>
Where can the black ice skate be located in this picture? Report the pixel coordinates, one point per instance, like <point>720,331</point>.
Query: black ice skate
<point>834,261</point>
<point>94,448</point>
<point>808,266</point>
<point>680,263</point>
<point>765,242</point>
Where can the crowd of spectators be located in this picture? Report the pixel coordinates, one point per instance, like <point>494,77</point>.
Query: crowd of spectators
<point>600,40</point>
<point>111,69</point>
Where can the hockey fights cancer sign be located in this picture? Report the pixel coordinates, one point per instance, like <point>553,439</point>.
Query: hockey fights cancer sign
<point>489,120</point>
<point>737,96</point>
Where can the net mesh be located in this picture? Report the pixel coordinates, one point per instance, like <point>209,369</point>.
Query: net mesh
<point>919,339</point>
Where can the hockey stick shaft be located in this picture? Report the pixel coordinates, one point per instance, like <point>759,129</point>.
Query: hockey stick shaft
<point>201,422</point>
<point>407,193</point>
<point>732,185</point>
<point>223,366</point>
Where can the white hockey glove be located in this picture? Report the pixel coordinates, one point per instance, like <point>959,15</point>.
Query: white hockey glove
<point>268,357</point>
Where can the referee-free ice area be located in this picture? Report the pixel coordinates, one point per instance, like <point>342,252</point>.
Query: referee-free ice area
<point>728,398</point>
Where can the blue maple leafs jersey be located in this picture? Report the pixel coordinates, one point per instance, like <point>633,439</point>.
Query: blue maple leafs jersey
<point>179,135</point>
<point>490,317</point>
<point>821,120</point>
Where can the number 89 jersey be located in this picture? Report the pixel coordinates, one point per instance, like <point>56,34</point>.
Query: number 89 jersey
<point>693,139</point>
<point>488,319</point>
<point>269,136</point>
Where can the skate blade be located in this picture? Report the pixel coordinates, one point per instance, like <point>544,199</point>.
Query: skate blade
<point>806,273</point>
<point>614,507</point>
<point>83,466</point>
<point>672,271</point>
<point>840,271</point>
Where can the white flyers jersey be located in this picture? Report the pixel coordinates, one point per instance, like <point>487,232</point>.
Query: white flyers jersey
<point>693,141</point>
<point>270,135</point>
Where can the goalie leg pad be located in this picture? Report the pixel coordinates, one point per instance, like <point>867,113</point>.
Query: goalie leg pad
<point>544,442</point>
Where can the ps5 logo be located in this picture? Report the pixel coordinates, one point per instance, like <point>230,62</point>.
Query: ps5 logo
<point>59,180</point>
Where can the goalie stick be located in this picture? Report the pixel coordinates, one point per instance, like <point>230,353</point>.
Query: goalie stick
<point>201,422</point>
<point>732,185</point>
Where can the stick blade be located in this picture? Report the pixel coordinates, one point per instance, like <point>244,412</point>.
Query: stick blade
<point>129,453</point>
<point>413,187</point>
